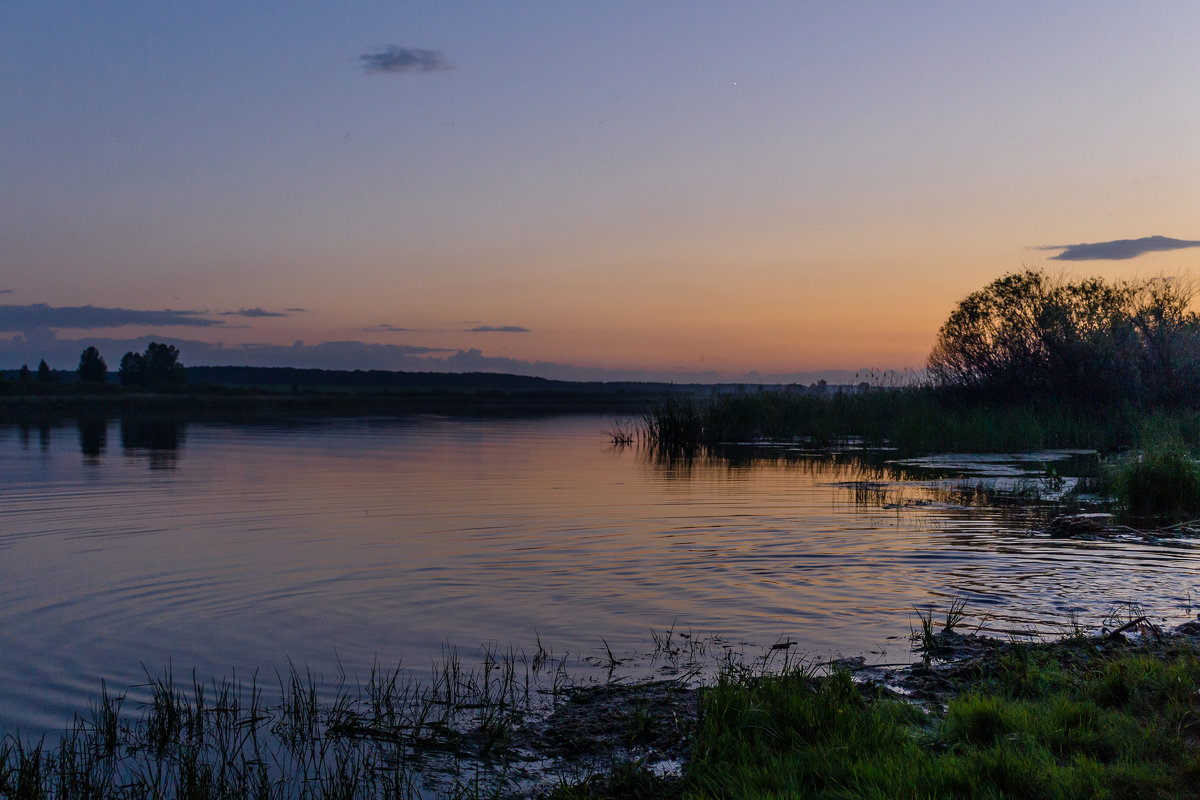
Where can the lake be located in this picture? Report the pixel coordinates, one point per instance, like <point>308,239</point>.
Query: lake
<point>128,547</point>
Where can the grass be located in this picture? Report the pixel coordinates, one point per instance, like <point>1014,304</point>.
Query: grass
<point>1160,479</point>
<point>927,641</point>
<point>1040,723</point>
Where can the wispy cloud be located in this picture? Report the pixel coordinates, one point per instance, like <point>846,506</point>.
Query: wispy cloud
<point>498,329</point>
<point>297,310</point>
<point>6,291</point>
<point>40,316</point>
<point>1118,249</point>
<point>393,60</point>
<point>254,312</point>
<point>383,326</point>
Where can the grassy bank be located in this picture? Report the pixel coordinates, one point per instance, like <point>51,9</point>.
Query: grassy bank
<point>1082,718</point>
<point>1039,723</point>
<point>914,419</point>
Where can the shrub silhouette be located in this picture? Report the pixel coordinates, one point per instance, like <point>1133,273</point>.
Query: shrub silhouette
<point>1029,335</point>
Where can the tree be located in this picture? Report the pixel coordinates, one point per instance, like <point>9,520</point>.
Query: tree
<point>43,374</point>
<point>132,370</point>
<point>158,366</point>
<point>1028,335</point>
<point>92,368</point>
<point>162,364</point>
<point>992,340</point>
<point>1169,335</point>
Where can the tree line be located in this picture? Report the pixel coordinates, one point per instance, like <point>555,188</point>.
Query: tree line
<point>158,367</point>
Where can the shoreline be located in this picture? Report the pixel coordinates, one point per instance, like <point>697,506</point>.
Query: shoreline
<point>607,739</point>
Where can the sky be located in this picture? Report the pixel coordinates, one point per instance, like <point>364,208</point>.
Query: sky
<point>665,190</point>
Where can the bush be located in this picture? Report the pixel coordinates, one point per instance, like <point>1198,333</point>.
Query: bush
<point>1027,336</point>
<point>1161,479</point>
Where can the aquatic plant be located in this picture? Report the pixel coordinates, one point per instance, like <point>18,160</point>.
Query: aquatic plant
<point>911,418</point>
<point>1159,479</point>
<point>929,640</point>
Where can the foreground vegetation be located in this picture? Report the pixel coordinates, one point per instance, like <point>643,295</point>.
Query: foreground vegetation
<point>1067,721</point>
<point>1084,717</point>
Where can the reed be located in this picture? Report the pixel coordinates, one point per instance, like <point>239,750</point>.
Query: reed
<point>389,736</point>
<point>911,418</point>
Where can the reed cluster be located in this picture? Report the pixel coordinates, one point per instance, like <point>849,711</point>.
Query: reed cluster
<point>913,419</point>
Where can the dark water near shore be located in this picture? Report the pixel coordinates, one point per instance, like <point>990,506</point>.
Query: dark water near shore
<point>234,548</point>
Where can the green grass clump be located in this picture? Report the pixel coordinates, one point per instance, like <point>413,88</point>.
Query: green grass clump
<point>1040,724</point>
<point>1161,479</point>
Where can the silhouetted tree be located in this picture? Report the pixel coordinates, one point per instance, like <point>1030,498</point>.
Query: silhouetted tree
<point>92,368</point>
<point>162,364</point>
<point>1028,335</point>
<point>43,374</point>
<point>23,373</point>
<point>132,369</point>
<point>158,366</point>
<point>1169,335</point>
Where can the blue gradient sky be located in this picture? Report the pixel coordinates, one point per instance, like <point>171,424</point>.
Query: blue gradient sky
<point>689,187</point>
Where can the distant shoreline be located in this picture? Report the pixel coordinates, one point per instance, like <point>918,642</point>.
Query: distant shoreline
<point>287,390</point>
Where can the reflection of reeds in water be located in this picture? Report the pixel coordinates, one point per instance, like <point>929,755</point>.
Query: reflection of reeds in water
<point>623,432</point>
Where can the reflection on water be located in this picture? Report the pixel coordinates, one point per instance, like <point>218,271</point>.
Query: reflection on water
<point>157,438</point>
<point>343,542</point>
<point>93,437</point>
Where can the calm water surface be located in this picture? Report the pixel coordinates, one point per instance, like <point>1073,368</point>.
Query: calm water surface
<point>232,549</point>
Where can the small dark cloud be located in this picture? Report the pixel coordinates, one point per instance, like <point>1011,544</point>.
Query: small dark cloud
<point>297,310</point>
<point>393,60</point>
<point>253,312</point>
<point>1118,249</point>
<point>41,316</point>
<point>6,291</point>
<point>498,329</point>
<point>389,328</point>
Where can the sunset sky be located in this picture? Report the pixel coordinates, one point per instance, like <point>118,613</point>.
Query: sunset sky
<point>612,189</point>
